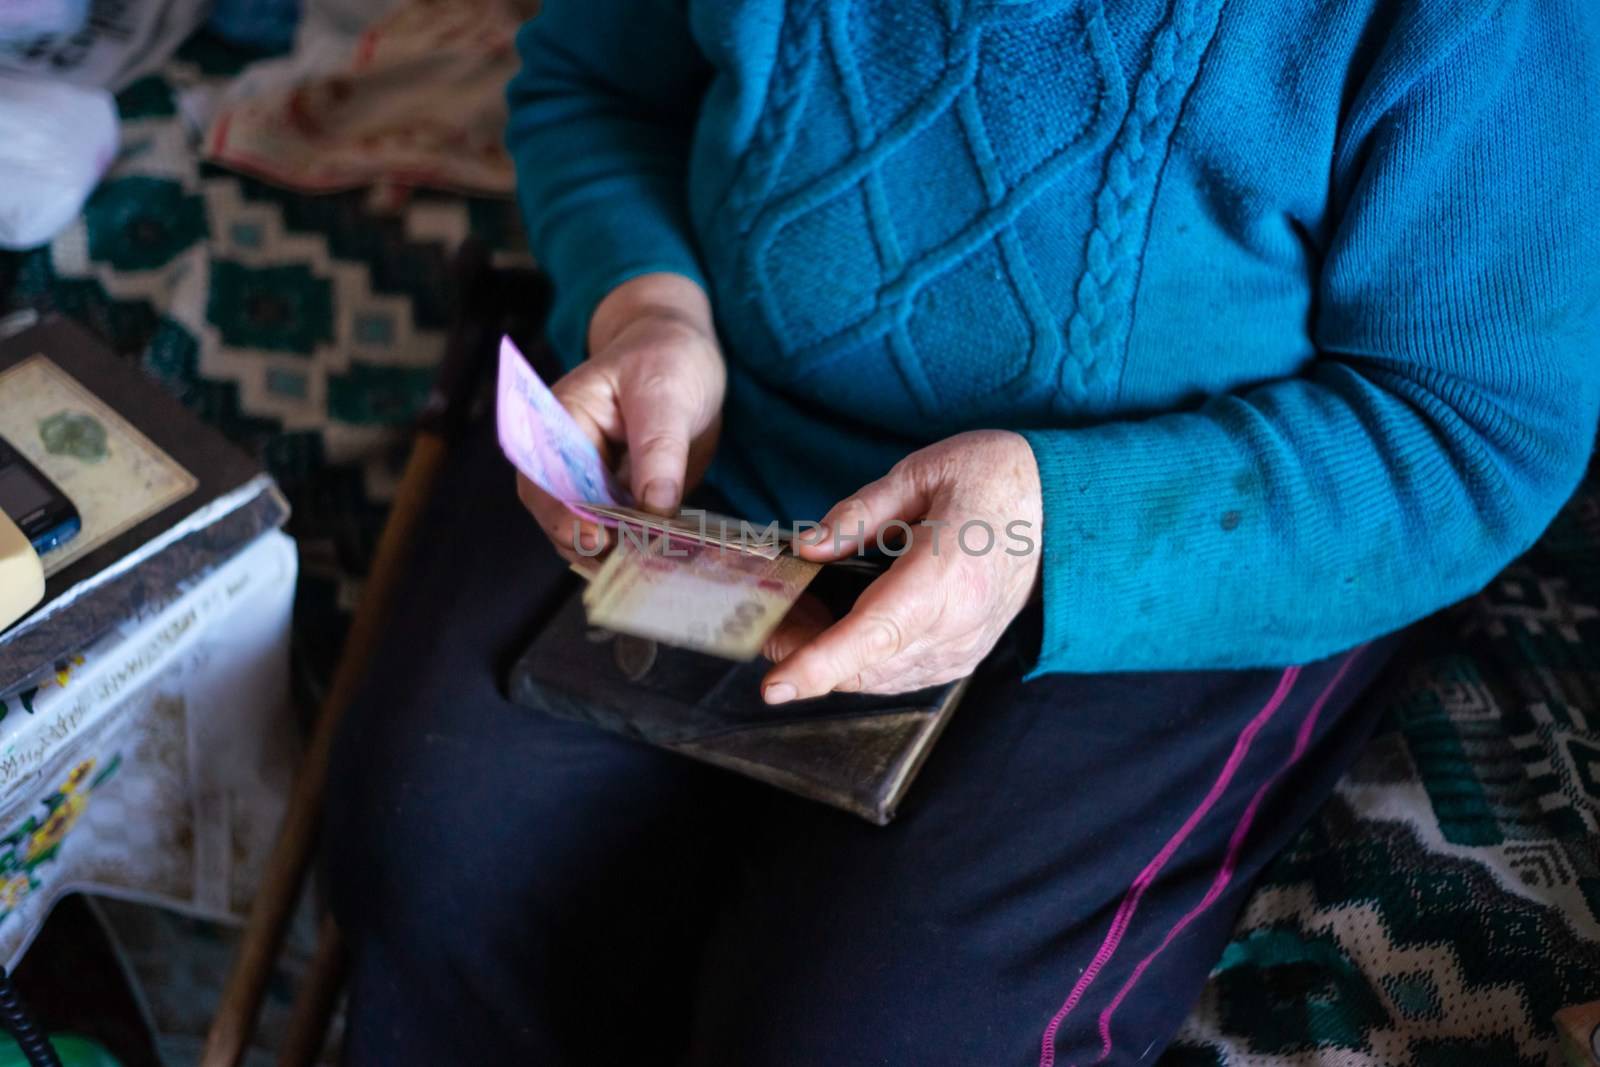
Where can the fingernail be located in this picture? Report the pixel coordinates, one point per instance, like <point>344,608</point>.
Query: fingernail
<point>778,693</point>
<point>821,536</point>
<point>661,493</point>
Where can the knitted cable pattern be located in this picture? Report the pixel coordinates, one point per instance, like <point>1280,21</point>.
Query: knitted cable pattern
<point>775,130</point>
<point>1104,290</point>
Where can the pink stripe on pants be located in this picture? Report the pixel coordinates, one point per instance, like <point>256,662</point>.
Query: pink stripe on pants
<point>1136,891</point>
<point>1230,861</point>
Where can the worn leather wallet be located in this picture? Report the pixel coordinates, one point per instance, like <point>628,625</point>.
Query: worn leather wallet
<point>855,752</point>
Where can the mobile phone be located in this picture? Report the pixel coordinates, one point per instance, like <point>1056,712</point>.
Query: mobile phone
<point>41,511</point>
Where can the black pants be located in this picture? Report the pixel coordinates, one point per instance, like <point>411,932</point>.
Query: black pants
<point>519,890</point>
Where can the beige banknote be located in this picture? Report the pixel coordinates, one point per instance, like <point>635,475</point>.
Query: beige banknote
<point>695,595</point>
<point>705,526</point>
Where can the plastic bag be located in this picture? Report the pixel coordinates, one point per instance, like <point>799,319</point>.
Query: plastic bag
<point>121,41</point>
<point>56,140</point>
<point>21,21</point>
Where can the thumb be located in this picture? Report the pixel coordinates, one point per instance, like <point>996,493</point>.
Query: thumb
<point>899,496</point>
<point>660,424</point>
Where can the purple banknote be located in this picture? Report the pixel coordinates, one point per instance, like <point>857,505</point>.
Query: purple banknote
<point>542,441</point>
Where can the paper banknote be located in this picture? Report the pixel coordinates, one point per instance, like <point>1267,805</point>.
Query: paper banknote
<point>706,527</point>
<point>697,580</point>
<point>695,595</point>
<point>542,441</point>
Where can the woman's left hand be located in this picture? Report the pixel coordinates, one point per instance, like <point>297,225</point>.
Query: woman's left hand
<point>974,509</point>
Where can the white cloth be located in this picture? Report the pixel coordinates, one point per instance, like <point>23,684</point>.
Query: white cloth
<point>415,98</point>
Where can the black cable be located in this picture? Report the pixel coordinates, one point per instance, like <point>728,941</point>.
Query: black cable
<point>14,1016</point>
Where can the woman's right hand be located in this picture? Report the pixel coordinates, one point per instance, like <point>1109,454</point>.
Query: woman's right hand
<point>649,396</point>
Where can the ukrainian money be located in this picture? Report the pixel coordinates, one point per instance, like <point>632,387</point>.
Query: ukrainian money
<point>707,527</point>
<point>697,580</point>
<point>542,441</point>
<point>695,595</point>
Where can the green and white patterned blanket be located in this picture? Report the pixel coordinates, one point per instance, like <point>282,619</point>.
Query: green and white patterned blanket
<point>1441,909</point>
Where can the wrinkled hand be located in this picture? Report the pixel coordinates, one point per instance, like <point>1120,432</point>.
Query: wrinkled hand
<point>943,604</point>
<point>652,387</point>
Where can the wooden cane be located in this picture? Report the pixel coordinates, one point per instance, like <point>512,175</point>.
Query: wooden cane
<point>314,1004</point>
<point>483,302</point>
<point>280,886</point>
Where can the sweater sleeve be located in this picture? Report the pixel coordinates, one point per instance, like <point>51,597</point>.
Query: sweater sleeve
<point>601,116</point>
<point>1449,413</point>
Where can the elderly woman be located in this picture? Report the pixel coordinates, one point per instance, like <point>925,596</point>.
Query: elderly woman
<point>1276,324</point>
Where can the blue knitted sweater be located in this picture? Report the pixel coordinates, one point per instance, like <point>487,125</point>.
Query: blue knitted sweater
<point>1298,304</point>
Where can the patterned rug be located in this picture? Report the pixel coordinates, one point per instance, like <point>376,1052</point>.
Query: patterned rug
<point>1441,909</point>
<point>1446,903</point>
<point>305,327</point>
